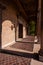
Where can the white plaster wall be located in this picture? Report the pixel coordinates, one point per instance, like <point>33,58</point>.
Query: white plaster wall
<point>24,32</point>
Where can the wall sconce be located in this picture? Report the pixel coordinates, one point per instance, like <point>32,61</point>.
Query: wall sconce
<point>12,26</point>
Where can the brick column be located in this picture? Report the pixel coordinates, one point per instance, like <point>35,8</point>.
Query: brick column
<point>39,21</point>
<point>2,7</point>
<point>0,24</point>
<point>41,49</point>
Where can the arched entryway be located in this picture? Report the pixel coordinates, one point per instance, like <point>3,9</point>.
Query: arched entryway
<point>8,33</point>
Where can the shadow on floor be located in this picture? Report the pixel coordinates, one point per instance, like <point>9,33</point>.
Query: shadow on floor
<point>22,54</point>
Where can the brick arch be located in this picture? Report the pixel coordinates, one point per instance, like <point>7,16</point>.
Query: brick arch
<point>8,33</point>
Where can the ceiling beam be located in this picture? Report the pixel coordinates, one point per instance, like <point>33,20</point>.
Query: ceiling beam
<point>20,8</point>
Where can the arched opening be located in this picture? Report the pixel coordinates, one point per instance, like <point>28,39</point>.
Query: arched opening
<point>8,33</point>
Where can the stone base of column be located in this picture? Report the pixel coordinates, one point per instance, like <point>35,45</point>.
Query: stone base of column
<point>41,55</point>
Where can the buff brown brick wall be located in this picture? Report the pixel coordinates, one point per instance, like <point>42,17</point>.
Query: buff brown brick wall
<point>8,20</point>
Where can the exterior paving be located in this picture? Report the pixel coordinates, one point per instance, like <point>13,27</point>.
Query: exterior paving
<point>7,59</point>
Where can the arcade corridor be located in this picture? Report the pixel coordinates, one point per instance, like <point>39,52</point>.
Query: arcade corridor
<point>21,29</point>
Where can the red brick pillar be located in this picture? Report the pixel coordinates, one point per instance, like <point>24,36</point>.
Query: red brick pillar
<point>0,24</point>
<point>2,7</point>
<point>39,21</point>
<point>41,49</point>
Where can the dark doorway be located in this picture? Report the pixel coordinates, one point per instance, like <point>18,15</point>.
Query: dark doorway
<point>20,30</point>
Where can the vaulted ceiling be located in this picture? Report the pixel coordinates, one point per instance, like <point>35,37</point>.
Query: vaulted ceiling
<point>27,8</point>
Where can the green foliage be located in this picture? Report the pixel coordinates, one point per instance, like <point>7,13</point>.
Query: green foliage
<point>32,27</point>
